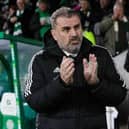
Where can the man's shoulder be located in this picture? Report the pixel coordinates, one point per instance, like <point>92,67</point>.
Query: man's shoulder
<point>96,49</point>
<point>38,55</point>
<point>100,50</point>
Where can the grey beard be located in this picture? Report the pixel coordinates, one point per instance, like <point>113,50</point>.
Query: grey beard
<point>75,51</point>
<point>72,51</point>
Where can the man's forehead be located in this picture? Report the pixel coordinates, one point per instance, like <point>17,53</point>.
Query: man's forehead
<point>63,21</point>
<point>68,17</point>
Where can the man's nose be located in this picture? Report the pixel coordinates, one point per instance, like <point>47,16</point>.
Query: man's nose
<point>73,32</point>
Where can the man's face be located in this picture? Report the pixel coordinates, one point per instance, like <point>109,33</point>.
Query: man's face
<point>43,6</point>
<point>104,3</point>
<point>118,11</point>
<point>84,4</point>
<point>20,4</point>
<point>68,33</point>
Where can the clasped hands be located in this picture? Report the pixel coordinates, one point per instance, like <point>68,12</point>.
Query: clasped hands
<point>67,69</point>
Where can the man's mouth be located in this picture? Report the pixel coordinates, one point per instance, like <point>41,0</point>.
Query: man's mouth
<point>74,42</point>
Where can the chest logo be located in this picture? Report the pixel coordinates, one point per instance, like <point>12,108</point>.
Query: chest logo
<point>56,70</point>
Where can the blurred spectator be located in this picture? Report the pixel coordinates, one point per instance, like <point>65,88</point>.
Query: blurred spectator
<point>40,22</point>
<point>33,3</point>
<point>106,8</point>
<point>114,30</point>
<point>54,4</point>
<point>22,19</point>
<point>126,6</point>
<point>1,22</point>
<point>3,12</point>
<point>74,4</point>
<point>88,18</point>
<point>8,26</point>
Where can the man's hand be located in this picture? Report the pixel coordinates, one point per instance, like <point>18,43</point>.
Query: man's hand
<point>90,70</point>
<point>67,69</point>
<point>13,19</point>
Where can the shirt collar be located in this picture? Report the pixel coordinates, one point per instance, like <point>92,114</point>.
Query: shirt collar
<point>69,54</point>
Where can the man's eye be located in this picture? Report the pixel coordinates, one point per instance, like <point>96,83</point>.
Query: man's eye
<point>66,29</point>
<point>77,27</point>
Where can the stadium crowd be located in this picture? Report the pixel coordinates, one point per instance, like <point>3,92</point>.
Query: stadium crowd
<point>31,18</point>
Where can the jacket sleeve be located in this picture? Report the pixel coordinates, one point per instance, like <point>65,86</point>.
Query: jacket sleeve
<point>42,96</point>
<point>126,65</point>
<point>111,90</point>
<point>104,25</point>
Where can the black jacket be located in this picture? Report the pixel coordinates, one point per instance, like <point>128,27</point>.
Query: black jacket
<point>25,21</point>
<point>126,65</point>
<point>35,26</point>
<point>77,106</point>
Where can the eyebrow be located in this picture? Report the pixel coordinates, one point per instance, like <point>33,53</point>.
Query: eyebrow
<point>77,25</point>
<point>66,27</point>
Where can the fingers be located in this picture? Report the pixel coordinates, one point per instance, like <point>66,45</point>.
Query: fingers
<point>90,69</point>
<point>67,69</point>
<point>69,77</point>
<point>93,63</point>
<point>67,64</point>
<point>92,58</point>
<point>87,69</point>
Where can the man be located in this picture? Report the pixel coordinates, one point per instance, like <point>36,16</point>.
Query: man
<point>40,22</point>
<point>70,82</point>
<point>21,21</point>
<point>113,29</point>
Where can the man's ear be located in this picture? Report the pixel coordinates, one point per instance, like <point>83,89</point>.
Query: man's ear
<point>53,34</point>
